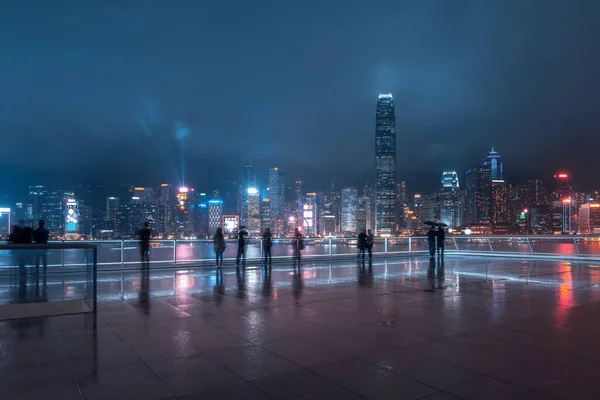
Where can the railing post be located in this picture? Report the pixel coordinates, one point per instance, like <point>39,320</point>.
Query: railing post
<point>122,252</point>
<point>385,245</point>
<point>455,244</point>
<point>576,246</point>
<point>530,246</point>
<point>410,244</point>
<point>260,241</point>
<point>490,244</point>
<point>62,254</point>
<point>330,245</point>
<point>174,251</point>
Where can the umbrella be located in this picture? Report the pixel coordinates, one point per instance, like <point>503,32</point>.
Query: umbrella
<point>430,223</point>
<point>442,225</point>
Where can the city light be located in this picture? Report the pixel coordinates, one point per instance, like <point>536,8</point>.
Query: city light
<point>468,231</point>
<point>4,210</point>
<point>563,176</point>
<point>183,189</point>
<point>591,206</point>
<point>252,191</point>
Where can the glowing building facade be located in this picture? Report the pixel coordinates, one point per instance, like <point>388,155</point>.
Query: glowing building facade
<point>385,165</point>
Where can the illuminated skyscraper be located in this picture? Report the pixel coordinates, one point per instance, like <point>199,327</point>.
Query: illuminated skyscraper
<point>110,216</point>
<point>266,214</point>
<point>349,210</point>
<point>253,211</point>
<point>478,196</point>
<point>215,215</point>
<point>450,200</point>
<point>385,165</point>
<point>277,200</point>
<point>248,182</point>
<point>494,162</point>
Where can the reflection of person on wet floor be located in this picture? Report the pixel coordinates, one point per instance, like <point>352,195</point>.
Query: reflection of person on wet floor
<point>40,236</point>
<point>266,242</point>
<point>370,243</point>
<point>362,243</point>
<point>441,236</point>
<point>219,244</point>
<point>299,245</point>
<point>145,234</point>
<point>431,237</point>
<point>22,234</point>
<point>241,253</point>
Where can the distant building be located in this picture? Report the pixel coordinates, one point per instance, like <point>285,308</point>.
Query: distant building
<point>110,215</point>
<point>248,186</point>
<point>266,212</point>
<point>277,200</point>
<point>231,225</point>
<point>478,196</point>
<point>494,163</point>
<point>202,219</point>
<point>310,212</point>
<point>215,215</point>
<point>400,204</point>
<point>253,211</point>
<point>385,165</point>
<point>540,219</point>
<point>589,218</point>
<point>363,214</point>
<point>450,202</point>
<point>349,210</point>
<point>500,205</point>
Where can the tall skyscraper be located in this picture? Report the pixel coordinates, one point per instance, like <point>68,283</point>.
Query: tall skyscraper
<point>494,162</point>
<point>500,206</point>
<point>450,203</point>
<point>248,182</point>
<point>215,215</point>
<point>110,216</point>
<point>266,214</point>
<point>400,204</point>
<point>349,210</point>
<point>277,200</point>
<point>385,165</point>
<point>253,211</point>
<point>310,212</point>
<point>478,196</point>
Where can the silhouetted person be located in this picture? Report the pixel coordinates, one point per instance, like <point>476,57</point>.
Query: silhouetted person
<point>241,253</point>
<point>145,234</point>
<point>40,236</point>
<point>298,245</point>
<point>266,242</point>
<point>431,238</point>
<point>362,243</point>
<point>219,244</point>
<point>370,243</point>
<point>441,236</point>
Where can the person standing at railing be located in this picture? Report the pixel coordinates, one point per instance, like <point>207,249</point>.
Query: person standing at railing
<point>370,243</point>
<point>431,238</point>
<point>40,236</point>
<point>362,243</point>
<point>298,245</point>
<point>145,234</point>
<point>441,236</point>
<point>267,244</point>
<point>241,253</point>
<point>219,244</point>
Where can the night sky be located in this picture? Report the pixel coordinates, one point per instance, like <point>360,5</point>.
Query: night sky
<point>152,91</point>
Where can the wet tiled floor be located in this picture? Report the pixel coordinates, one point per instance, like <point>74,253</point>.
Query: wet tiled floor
<point>405,328</point>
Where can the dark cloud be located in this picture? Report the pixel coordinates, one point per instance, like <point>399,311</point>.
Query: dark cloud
<point>133,90</point>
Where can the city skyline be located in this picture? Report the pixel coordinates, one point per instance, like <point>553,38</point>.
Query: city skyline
<point>121,93</point>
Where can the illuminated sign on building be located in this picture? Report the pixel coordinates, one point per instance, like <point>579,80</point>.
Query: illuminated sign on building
<point>71,215</point>
<point>231,224</point>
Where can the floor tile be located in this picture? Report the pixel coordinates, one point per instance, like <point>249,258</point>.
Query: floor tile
<point>372,381</point>
<point>192,374</point>
<point>303,352</point>
<point>132,382</point>
<point>253,362</point>
<point>489,388</point>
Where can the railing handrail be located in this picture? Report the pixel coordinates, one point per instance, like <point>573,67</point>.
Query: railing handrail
<point>48,246</point>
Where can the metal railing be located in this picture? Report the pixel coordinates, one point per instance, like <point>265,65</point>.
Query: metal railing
<point>180,252</point>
